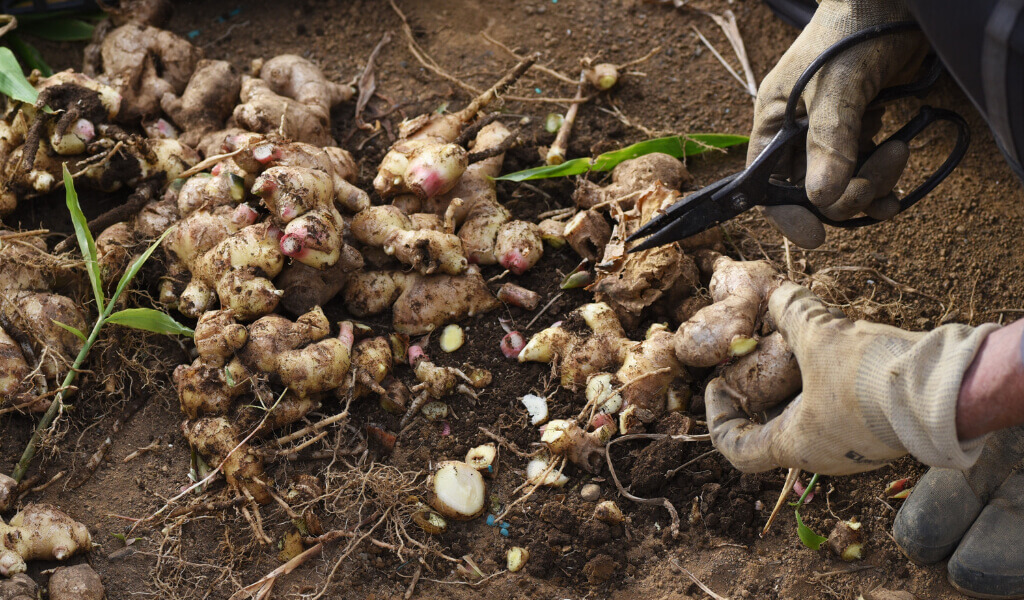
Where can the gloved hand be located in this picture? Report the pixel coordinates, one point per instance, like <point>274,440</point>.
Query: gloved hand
<point>835,102</point>
<point>871,393</point>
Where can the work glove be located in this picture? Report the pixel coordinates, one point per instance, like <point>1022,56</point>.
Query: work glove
<point>835,102</point>
<point>871,393</point>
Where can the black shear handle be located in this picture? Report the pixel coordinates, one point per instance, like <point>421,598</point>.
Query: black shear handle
<point>786,194</point>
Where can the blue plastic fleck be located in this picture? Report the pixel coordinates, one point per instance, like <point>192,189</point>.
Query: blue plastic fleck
<point>490,520</point>
<point>537,90</point>
<point>490,468</point>
<point>504,525</point>
<point>193,34</point>
<point>235,12</point>
<point>504,532</point>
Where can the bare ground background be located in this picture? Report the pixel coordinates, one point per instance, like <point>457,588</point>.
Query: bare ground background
<point>955,257</point>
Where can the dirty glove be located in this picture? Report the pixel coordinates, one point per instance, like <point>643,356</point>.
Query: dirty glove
<point>871,393</point>
<point>835,102</point>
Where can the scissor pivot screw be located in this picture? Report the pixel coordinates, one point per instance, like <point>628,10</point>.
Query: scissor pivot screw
<point>740,201</point>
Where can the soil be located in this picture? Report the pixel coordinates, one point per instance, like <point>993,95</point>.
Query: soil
<point>956,257</point>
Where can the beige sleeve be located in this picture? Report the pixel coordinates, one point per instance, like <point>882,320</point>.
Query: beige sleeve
<point>910,394</point>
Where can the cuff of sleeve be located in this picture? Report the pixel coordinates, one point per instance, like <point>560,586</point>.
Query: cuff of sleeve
<point>924,417</point>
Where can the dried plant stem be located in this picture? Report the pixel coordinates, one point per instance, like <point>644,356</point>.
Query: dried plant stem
<point>699,583</point>
<point>517,56</point>
<point>787,487</point>
<point>724,62</point>
<point>315,427</point>
<point>543,310</point>
<point>560,148</point>
<point>431,65</point>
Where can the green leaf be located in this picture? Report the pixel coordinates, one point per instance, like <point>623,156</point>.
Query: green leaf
<point>807,536</point>
<point>85,242</point>
<point>59,29</point>
<point>92,15</point>
<point>12,81</point>
<point>133,270</point>
<point>678,146</point>
<point>149,319</point>
<point>78,332</point>
<point>29,53</point>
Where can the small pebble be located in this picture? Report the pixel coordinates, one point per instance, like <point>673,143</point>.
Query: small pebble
<point>590,492</point>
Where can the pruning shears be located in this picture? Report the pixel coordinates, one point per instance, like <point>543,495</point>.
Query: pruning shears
<point>755,186</point>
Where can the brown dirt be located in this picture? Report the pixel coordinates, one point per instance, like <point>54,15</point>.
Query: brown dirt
<point>955,257</point>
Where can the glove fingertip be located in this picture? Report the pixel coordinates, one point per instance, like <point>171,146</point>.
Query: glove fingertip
<point>798,224</point>
<point>739,439</point>
<point>794,309</point>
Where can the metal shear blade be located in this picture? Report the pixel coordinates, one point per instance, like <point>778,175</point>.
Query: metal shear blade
<point>754,186</point>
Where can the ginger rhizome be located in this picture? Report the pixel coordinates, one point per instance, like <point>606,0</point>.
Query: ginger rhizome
<point>426,171</point>
<point>241,366</point>
<point>34,144</point>
<point>233,256</point>
<point>591,345</point>
<point>437,382</point>
<point>34,351</point>
<point>735,326</point>
<point>40,532</point>
<point>291,96</point>
<point>419,303</point>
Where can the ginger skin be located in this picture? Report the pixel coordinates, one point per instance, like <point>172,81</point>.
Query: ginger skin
<point>40,532</point>
<point>419,303</point>
<point>426,250</point>
<point>292,96</point>
<point>739,291</point>
<point>207,101</point>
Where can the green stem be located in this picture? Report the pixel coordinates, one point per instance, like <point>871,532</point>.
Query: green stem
<point>58,401</point>
<point>807,490</point>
